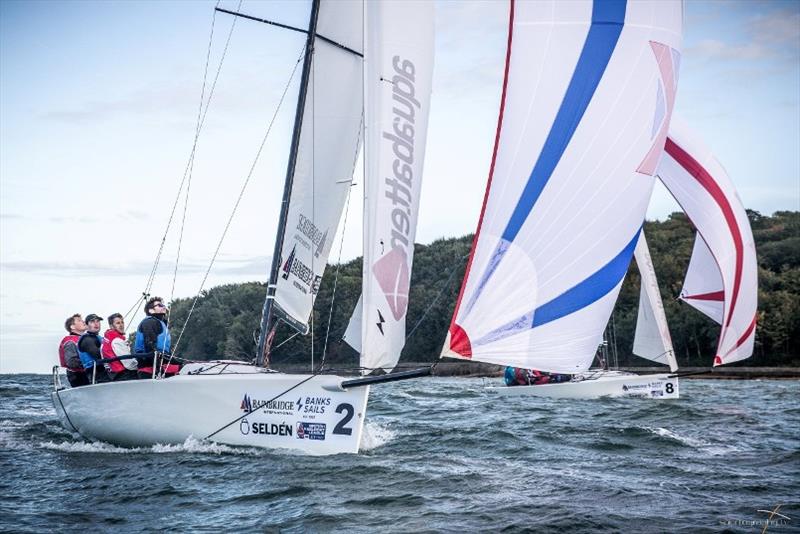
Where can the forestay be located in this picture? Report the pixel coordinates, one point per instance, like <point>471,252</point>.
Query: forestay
<point>651,340</point>
<point>329,141</point>
<point>705,192</point>
<point>398,86</point>
<point>587,99</point>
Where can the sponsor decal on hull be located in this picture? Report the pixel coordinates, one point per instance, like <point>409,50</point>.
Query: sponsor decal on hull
<point>313,431</point>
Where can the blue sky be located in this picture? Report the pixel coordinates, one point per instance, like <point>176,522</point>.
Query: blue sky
<point>98,103</point>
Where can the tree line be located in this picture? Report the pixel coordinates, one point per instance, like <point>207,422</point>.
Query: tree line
<point>226,317</point>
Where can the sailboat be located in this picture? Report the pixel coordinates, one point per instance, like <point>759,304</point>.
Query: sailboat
<point>581,136</point>
<point>652,341</point>
<point>724,289</point>
<point>241,404</point>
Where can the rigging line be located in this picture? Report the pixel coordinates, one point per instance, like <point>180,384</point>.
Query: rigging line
<point>238,200</point>
<point>192,159</point>
<point>435,300</point>
<point>313,185</point>
<point>335,279</point>
<point>190,163</point>
<point>284,342</point>
<point>279,395</point>
<point>341,241</point>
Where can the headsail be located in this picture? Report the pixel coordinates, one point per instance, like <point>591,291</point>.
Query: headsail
<point>586,104</point>
<point>652,339</point>
<point>399,71</point>
<point>702,287</point>
<point>705,192</point>
<point>329,141</point>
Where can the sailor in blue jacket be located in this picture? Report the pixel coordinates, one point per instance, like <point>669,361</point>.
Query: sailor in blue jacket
<point>89,349</point>
<point>152,335</point>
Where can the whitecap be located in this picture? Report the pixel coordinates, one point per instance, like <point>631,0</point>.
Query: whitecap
<point>692,442</point>
<point>194,445</point>
<point>36,411</point>
<point>376,435</point>
<point>191,445</point>
<point>85,446</point>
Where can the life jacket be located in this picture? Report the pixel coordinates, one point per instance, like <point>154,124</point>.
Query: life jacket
<point>163,344</point>
<point>62,357</point>
<point>86,358</point>
<point>107,350</point>
<point>163,341</point>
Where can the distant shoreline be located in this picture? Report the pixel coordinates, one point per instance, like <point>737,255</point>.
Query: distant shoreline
<point>476,370</point>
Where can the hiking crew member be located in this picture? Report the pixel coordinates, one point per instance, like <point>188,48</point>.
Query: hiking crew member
<point>115,345</point>
<point>515,376</point>
<point>152,335</point>
<point>68,356</point>
<point>89,350</point>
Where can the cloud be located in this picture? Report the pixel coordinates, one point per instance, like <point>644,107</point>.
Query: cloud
<point>72,219</point>
<point>256,266</point>
<point>763,35</point>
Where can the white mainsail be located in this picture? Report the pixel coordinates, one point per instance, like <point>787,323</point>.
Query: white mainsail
<point>705,192</point>
<point>586,106</point>
<point>329,141</point>
<point>652,339</point>
<point>399,71</point>
<point>702,287</point>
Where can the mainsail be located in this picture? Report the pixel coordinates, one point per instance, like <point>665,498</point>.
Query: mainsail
<point>705,192</point>
<point>652,340</point>
<point>330,135</point>
<point>398,86</point>
<point>586,105</point>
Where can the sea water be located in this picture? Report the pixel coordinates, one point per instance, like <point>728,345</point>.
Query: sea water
<point>438,454</point>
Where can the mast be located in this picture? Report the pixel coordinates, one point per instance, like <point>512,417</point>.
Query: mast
<point>266,314</point>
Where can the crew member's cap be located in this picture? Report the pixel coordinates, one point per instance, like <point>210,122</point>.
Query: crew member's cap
<point>93,317</point>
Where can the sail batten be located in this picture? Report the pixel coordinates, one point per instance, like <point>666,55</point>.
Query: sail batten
<point>567,190</point>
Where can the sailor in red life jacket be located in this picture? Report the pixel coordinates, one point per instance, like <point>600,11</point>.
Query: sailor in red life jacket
<point>115,345</point>
<point>152,336</point>
<point>68,356</point>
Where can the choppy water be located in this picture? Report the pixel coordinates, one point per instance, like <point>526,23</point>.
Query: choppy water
<point>439,455</point>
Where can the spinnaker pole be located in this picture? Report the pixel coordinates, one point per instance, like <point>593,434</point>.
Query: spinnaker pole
<point>266,314</point>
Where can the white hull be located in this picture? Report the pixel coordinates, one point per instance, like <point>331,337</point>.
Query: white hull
<point>598,384</point>
<point>315,417</point>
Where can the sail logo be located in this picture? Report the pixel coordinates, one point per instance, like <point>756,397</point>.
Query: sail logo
<point>668,60</point>
<point>302,272</point>
<point>287,266</point>
<point>392,270</point>
<point>313,431</point>
<point>250,405</point>
<point>317,237</point>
